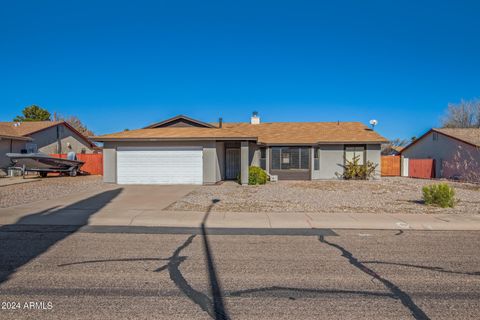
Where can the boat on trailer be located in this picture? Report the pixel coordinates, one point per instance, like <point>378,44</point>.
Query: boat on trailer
<point>43,164</point>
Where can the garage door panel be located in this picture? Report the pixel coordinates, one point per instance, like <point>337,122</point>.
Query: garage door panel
<point>160,166</point>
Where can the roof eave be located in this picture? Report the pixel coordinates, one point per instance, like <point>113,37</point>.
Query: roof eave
<point>20,138</point>
<point>100,139</point>
<point>437,131</point>
<point>181,116</point>
<point>319,142</point>
<point>456,138</point>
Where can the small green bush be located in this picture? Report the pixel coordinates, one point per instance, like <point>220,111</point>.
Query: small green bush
<point>441,195</point>
<point>256,175</point>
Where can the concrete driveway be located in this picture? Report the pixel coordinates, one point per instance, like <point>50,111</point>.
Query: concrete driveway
<point>149,197</point>
<point>144,206</point>
<point>118,205</point>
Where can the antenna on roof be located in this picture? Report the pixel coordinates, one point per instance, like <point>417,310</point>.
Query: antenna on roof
<point>373,123</point>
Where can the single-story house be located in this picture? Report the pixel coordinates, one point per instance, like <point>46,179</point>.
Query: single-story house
<point>392,151</point>
<point>456,152</point>
<point>182,150</point>
<point>40,136</point>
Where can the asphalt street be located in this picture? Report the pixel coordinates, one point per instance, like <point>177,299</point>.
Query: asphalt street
<point>238,274</point>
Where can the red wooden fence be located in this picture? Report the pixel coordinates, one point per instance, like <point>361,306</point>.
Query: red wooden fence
<point>421,168</point>
<point>93,162</point>
<point>390,166</point>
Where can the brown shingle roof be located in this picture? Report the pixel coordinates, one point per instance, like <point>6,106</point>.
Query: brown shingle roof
<point>6,130</point>
<point>397,148</point>
<point>27,127</point>
<point>268,133</point>
<point>469,135</point>
<point>174,133</point>
<point>24,129</point>
<point>309,132</point>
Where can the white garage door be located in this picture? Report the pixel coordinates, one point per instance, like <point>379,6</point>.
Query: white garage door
<point>160,165</point>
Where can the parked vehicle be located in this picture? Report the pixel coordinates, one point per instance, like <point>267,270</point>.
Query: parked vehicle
<point>43,164</point>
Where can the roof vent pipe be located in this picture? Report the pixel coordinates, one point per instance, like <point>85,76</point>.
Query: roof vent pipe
<point>220,122</point>
<point>255,119</point>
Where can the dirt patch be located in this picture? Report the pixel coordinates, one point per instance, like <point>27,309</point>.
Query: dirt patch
<point>389,195</point>
<point>47,188</point>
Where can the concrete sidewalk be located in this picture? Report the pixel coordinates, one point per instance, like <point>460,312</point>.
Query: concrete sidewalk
<point>114,216</point>
<point>142,206</point>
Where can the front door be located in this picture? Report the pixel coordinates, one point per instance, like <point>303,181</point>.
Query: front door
<point>232,163</point>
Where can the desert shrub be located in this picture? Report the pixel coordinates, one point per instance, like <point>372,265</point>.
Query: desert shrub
<point>256,175</point>
<point>353,170</point>
<point>441,195</point>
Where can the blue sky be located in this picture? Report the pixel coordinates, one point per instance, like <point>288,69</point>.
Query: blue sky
<point>125,64</point>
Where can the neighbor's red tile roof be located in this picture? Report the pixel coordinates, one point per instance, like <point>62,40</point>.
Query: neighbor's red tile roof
<point>268,133</point>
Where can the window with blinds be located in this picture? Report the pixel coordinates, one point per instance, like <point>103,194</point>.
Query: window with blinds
<point>290,158</point>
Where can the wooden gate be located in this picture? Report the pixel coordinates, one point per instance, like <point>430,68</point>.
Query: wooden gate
<point>390,166</point>
<point>93,162</point>
<point>421,168</point>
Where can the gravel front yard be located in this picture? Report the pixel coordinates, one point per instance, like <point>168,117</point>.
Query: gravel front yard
<point>47,188</point>
<point>390,195</point>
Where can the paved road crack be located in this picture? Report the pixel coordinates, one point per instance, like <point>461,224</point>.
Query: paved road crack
<point>436,269</point>
<point>199,298</point>
<point>406,300</point>
<point>268,218</point>
<point>213,307</point>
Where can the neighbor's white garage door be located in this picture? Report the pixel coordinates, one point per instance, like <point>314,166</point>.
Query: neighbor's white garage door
<point>160,165</point>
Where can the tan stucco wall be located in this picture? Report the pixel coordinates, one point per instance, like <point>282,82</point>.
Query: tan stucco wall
<point>254,154</point>
<point>6,146</point>
<point>220,174</point>
<point>109,164</point>
<point>46,140</point>
<point>453,158</point>
<point>332,158</point>
<point>374,154</point>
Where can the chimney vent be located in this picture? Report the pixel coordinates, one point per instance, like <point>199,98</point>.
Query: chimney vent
<point>255,119</point>
<point>220,122</point>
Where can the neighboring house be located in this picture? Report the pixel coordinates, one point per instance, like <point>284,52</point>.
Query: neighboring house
<point>392,150</point>
<point>40,136</point>
<point>9,142</point>
<point>182,150</point>
<point>456,152</point>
